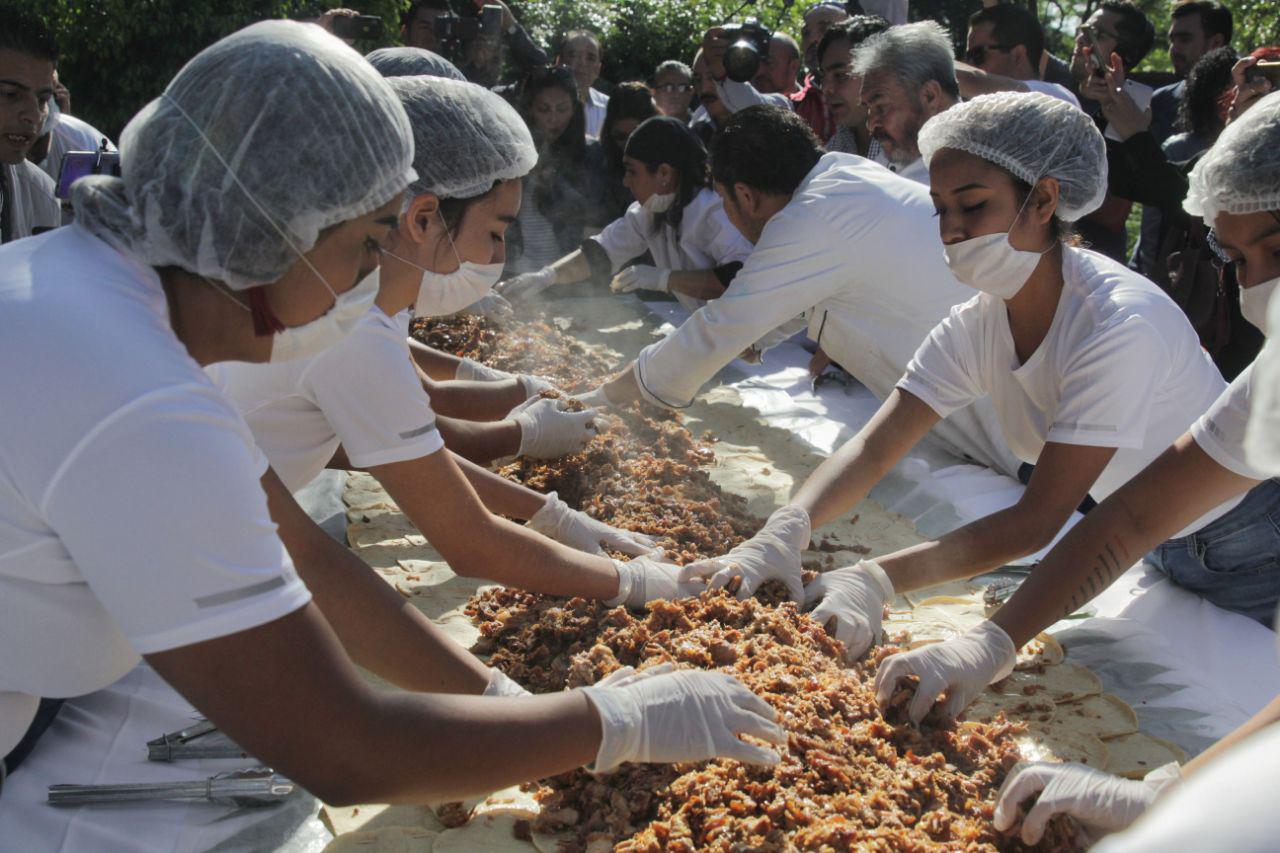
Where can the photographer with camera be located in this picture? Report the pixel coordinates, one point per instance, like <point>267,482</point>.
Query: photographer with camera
<point>28,53</point>
<point>472,37</point>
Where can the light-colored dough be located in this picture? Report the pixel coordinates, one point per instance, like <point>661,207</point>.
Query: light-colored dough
<point>1040,745</point>
<point>1062,683</point>
<point>396,839</point>
<point>1135,755</point>
<point>344,819</point>
<point>491,833</point>
<point>1104,716</point>
<point>1028,709</point>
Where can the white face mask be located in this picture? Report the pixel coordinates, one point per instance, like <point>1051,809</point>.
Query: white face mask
<point>991,264</point>
<point>659,202</point>
<point>311,339</point>
<point>441,294</point>
<point>1254,301</point>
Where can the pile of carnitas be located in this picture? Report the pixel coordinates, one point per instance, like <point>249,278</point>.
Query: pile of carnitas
<point>848,778</point>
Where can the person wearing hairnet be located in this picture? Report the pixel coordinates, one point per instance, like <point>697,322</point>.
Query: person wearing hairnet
<point>412,62</point>
<point>133,518</point>
<point>362,399</point>
<point>1092,371</point>
<point>1222,458</point>
<point>676,218</point>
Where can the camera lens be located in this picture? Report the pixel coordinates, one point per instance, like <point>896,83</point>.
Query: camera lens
<point>741,61</point>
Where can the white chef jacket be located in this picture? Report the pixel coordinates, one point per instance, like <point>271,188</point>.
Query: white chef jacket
<point>857,248</point>
<point>132,519</point>
<point>916,171</point>
<point>1119,367</point>
<point>30,195</point>
<point>362,393</point>
<point>1220,431</point>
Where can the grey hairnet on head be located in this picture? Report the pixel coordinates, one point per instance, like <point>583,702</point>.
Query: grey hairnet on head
<point>465,136</point>
<point>1031,136</point>
<point>1241,172</point>
<point>412,62</point>
<point>261,141</point>
<point>913,54</point>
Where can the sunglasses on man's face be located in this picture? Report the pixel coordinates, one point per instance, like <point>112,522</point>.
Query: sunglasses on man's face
<point>674,88</point>
<point>978,55</point>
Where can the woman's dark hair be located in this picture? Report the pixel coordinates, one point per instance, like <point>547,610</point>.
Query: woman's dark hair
<point>1060,230</point>
<point>565,154</point>
<point>1201,109</point>
<point>452,210</point>
<point>664,139</point>
<point>630,100</point>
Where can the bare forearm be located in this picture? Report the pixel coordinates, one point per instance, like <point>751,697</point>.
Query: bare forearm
<point>500,495</point>
<point>475,401</point>
<point>700,284</point>
<point>480,442</point>
<point>1268,715</point>
<point>377,627</point>
<point>439,366</point>
<point>572,268</point>
<point>623,388</point>
<point>1180,486</point>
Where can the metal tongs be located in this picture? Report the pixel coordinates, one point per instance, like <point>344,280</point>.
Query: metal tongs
<point>182,744</point>
<point>256,787</point>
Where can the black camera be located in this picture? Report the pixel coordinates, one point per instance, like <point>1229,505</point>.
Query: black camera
<point>748,43</point>
<point>454,32</point>
<point>358,27</point>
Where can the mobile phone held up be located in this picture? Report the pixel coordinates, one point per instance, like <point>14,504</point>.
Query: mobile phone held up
<point>1265,70</point>
<point>358,27</point>
<point>79,164</point>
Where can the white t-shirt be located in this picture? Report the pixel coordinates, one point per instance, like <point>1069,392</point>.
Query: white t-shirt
<point>30,199</point>
<point>362,393</point>
<point>594,109</point>
<point>916,170</point>
<point>1119,367</point>
<point>1053,90</point>
<point>132,519</point>
<point>706,239</point>
<point>1220,431</point>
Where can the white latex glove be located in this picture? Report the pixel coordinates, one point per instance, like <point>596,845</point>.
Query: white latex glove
<point>500,684</point>
<point>1100,802</point>
<point>548,430</point>
<point>961,668</point>
<point>596,398</point>
<point>492,307</point>
<point>470,370</point>
<point>661,716</point>
<point>645,579</point>
<point>556,520</point>
<point>527,285</point>
<point>852,601</point>
<point>772,554</point>
<point>641,277</point>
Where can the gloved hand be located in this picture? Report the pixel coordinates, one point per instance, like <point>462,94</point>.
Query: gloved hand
<point>852,598</point>
<point>961,667</point>
<point>527,285</point>
<point>1102,803</point>
<point>492,307</point>
<point>578,530</point>
<point>595,398</point>
<point>470,370</point>
<point>502,685</point>
<point>548,430</point>
<point>645,579</point>
<point>772,554</point>
<point>661,716</point>
<point>641,277</point>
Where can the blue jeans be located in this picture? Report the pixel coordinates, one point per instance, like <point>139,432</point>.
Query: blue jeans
<point>1233,562</point>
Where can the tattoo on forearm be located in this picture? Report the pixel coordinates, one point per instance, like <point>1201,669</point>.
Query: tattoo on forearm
<point>1106,566</point>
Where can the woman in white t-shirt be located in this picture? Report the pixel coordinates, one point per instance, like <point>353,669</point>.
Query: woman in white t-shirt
<point>133,518</point>
<point>676,218</point>
<point>1227,804</point>
<point>362,398</point>
<point>1092,370</point>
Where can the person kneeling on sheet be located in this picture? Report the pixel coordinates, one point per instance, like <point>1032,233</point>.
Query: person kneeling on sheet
<point>1224,460</point>
<point>133,518</point>
<point>677,218</point>
<point>362,399</point>
<point>1092,369</point>
<point>836,236</point>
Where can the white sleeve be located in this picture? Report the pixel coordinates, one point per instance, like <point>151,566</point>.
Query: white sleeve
<point>372,397</point>
<point>1108,389</point>
<point>717,237</point>
<point>781,278</point>
<point>624,238</point>
<point>944,371</point>
<point>162,511</point>
<point>738,96</point>
<point>1220,431</point>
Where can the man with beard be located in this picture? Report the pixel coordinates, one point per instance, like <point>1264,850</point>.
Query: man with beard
<point>1198,26</point>
<point>843,89</point>
<point>908,77</point>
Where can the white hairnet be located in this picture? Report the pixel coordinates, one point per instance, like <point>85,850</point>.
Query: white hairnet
<point>1031,135</point>
<point>412,62</point>
<point>1262,439</point>
<point>465,137</point>
<point>261,141</point>
<point>1241,172</point>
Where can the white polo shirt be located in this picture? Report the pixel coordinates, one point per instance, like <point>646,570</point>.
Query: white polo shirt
<point>132,519</point>
<point>362,393</point>
<point>1220,431</point>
